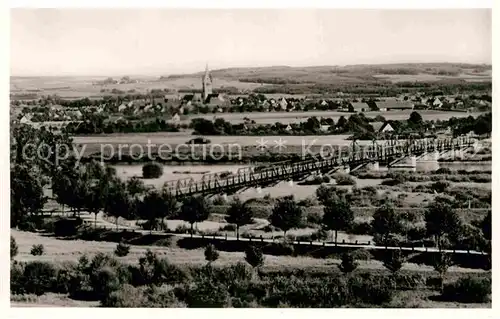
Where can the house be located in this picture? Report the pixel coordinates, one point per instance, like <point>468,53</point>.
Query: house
<point>325,127</point>
<point>122,108</point>
<point>214,98</point>
<point>382,127</point>
<point>282,103</point>
<point>437,103</point>
<point>25,119</point>
<point>176,118</point>
<point>360,106</point>
<point>394,105</point>
<point>288,128</point>
<point>323,103</point>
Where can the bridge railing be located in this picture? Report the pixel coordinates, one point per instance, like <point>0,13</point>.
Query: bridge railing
<point>288,168</point>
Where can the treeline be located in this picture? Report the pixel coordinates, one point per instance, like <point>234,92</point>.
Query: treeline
<point>378,88</point>
<point>480,125</point>
<point>99,126</point>
<point>271,80</point>
<point>113,283</point>
<point>357,124</point>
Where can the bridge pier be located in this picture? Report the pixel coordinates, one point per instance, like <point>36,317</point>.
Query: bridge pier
<point>413,160</point>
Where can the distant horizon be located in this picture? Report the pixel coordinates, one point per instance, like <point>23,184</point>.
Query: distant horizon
<point>111,42</point>
<point>159,74</point>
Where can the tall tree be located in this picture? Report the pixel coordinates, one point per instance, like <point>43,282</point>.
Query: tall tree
<point>119,202</point>
<point>286,215</point>
<point>135,186</point>
<point>441,219</point>
<point>194,209</point>
<point>486,226</point>
<point>386,221</point>
<point>153,207</point>
<point>169,206</point>
<point>337,216</point>
<point>393,261</point>
<point>415,118</point>
<point>26,193</point>
<point>441,264</point>
<point>239,214</point>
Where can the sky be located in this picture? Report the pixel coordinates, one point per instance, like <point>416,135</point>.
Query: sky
<point>168,41</point>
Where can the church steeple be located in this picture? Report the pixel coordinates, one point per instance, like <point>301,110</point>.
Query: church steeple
<point>206,83</point>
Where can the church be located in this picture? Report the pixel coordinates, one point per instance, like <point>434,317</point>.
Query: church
<point>207,96</point>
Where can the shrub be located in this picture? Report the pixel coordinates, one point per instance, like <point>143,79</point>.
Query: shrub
<point>127,297</point>
<point>140,297</point>
<point>442,170</point>
<point>228,227</point>
<point>416,233</point>
<point>67,227</point>
<point>211,253</point>
<point>344,179</point>
<point>361,228</point>
<point>152,170</point>
<point>13,247</point>
<point>440,186</point>
<point>206,294</point>
<point>17,278</point>
<point>391,182</point>
<point>38,277</point>
<point>182,229</point>
<point>314,218</point>
<point>104,282</point>
<point>66,274</point>
<point>164,242</point>
<point>254,256</point>
<point>122,250</point>
<point>348,263</point>
<point>468,289</point>
<point>37,250</point>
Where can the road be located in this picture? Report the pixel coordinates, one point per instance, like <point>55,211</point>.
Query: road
<point>103,224</point>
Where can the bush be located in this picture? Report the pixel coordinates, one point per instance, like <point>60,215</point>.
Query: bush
<point>211,253</point>
<point>122,250</point>
<point>344,179</point>
<point>440,186</point>
<point>17,278</point>
<point>152,170</point>
<point>468,289</point>
<point>348,263</point>
<point>254,256</point>
<point>442,170</point>
<point>361,228</point>
<point>140,297</point>
<point>37,250</point>
<point>67,227</point>
<point>183,229</point>
<point>391,182</point>
<point>228,227</point>
<point>206,294</point>
<point>13,247</point>
<point>314,218</point>
<point>38,277</point>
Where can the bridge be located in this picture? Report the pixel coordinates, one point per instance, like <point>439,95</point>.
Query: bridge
<point>389,152</point>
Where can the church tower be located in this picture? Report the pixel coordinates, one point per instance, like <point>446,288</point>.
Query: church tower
<point>207,84</point>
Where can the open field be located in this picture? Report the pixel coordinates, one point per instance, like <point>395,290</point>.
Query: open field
<point>247,79</point>
<point>423,77</point>
<point>58,250</point>
<point>295,117</point>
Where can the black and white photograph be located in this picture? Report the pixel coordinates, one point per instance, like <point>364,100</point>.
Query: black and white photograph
<point>250,157</point>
